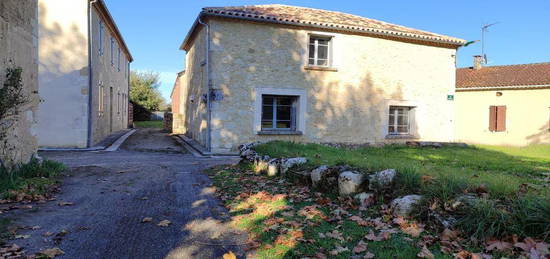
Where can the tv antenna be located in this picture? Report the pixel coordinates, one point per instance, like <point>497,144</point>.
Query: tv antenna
<point>484,29</point>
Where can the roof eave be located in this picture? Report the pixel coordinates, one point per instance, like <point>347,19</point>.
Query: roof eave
<point>481,88</point>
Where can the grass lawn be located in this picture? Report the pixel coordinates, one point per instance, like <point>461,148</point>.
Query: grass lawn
<point>289,220</point>
<point>149,124</point>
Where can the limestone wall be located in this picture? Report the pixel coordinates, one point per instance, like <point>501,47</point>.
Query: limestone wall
<point>63,73</point>
<point>527,117</point>
<point>193,88</point>
<point>109,104</point>
<point>18,48</point>
<point>349,105</point>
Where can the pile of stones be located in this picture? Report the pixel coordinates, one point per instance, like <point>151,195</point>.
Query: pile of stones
<point>364,188</point>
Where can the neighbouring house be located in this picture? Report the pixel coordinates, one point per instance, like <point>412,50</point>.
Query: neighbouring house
<point>83,74</point>
<point>503,105</point>
<point>268,72</point>
<point>18,49</point>
<point>177,105</point>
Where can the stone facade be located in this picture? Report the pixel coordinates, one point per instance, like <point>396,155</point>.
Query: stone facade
<point>346,104</point>
<point>527,122</point>
<point>79,109</point>
<point>19,48</point>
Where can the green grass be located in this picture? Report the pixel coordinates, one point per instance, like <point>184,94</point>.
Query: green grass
<point>512,178</point>
<point>149,124</point>
<point>32,178</point>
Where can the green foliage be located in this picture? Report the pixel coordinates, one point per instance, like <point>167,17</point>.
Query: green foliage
<point>149,124</point>
<point>144,90</point>
<point>33,173</point>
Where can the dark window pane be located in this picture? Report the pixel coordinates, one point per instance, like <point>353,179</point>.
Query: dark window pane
<point>402,129</point>
<point>284,101</point>
<point>283,124</point>
<point>392,119</point>
<point>312,61</point>
<point>322,52</point>
<point>267,112</point>
<point>322,62</point>
<point>401,120</point>
<point>283,113</point>
<point>391,129</point>
<point>311,51</point>
<point>323,41</point>
<point>311,40</point>
<point>267,100</point>
<point>267,124</point>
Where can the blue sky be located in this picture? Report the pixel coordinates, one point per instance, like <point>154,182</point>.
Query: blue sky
<point>154,30</point>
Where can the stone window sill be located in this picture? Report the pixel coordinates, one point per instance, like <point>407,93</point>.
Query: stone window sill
<point>279,132</point>
<point>401,136</point>
<point>333,69</point>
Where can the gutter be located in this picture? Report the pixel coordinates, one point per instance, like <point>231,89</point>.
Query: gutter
<point>90,74</point>
<point>208,102</point>
<point>510,87</point>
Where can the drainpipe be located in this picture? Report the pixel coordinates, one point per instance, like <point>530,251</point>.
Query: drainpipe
<point>90,73</point>
<point>208,102</point>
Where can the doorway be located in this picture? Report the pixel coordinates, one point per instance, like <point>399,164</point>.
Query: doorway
<point>111,109</point>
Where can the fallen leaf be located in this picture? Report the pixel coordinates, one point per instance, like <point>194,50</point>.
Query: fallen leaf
<point>22,236</point>
<point>47,234</point>
<point>360,247</point>
<point>368,255</point>
<point>338,250</point>
<point>498,245</point>
<point>448,235</point>
<point>147,219</point>
<point>164,223</point>
<point>320,255</point>
<point>414,230</point>
<point>65,203</point>
<point>229,255</point>
<point>425,253</point>
<point>52,252</point>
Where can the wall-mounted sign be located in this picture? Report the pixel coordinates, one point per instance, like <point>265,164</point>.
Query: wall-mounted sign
<point>450,97</point>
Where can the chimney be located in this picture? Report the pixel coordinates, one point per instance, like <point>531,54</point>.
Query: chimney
<point>478,62</point>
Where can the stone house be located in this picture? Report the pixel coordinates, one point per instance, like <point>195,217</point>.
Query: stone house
<point>503,105</point>
<point>268,72</point>
<point>83,74</point>
<point>18,48</point>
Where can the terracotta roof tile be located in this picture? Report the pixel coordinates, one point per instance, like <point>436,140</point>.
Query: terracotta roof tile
<point>503,76</point>
<point>323,18</point>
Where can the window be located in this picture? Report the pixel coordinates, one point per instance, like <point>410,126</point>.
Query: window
<point>112,51</point>
<point>497,118</point>
<point>118,103</point>
<point>279,112</point>
<point>399,120</point>
<point>320,51</point>
<point>100,101</point>
<point>100,35</point>
<point>118,60</point>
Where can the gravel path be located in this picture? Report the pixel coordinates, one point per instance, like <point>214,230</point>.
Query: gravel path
<point>112,192</point>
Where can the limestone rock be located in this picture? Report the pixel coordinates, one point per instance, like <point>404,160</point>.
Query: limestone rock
<point>273,167</point>
<point>288,163</point>
<point>350,182</point>
<point>261,164</point>
<point>364,199</point>
<point>317,175</point>
<point>403,206</point>
<point>382,179</point>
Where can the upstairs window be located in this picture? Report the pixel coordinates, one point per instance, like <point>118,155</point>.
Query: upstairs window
<point>112,51</point>
<point>279,112</point>
<point>320,51</point>
<point>399,120</point>
<point>118,60</point>
<point>100,36</point>
<point>497,118</point>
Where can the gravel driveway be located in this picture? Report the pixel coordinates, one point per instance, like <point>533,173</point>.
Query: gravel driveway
<point>112,192</point>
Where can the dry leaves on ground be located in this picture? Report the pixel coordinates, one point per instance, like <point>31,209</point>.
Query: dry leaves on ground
<point>51,252</point>
<point>65,203</point>
<point>146,219</point>
<point>164,223</point>
<point>229,255</point>
<point>425,253</point>
<point>360,247</point>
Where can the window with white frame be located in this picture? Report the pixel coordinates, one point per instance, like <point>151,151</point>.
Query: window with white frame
<point>100,36</point>
<point>112,51</point>
<point>279,112</point>
<point>100,101</point>
<point>118,60</point>
<point>399,120</point>
<point>320,51</point>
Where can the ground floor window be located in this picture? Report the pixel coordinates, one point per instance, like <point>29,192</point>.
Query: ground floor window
<point>399,120</point>
<point>497,118</point>
<point>279,112</point>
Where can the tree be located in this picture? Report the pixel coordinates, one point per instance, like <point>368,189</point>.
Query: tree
<point>144,90</point>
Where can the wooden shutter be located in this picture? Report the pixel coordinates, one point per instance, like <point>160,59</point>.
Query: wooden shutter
<point>492,118</point>
<point>501,118</point>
